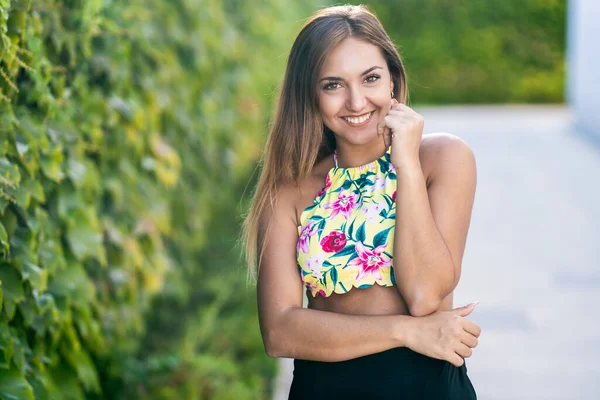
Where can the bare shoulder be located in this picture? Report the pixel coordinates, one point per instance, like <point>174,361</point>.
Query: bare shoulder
<point>291,199</point>
<point>443,151</point>
<point>309,187</point>
<point>282,207</point>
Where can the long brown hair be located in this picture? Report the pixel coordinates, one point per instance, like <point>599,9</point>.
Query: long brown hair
<point>298,137</point>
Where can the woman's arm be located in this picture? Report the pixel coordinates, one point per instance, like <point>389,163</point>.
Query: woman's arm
<point>432,221</point>
<point>327,336</point>
<point>288,330</point>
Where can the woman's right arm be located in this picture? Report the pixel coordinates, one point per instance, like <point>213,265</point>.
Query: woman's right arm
<point>291,331</point>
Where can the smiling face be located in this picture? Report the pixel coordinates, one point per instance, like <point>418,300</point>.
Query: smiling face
<point>354,91</point>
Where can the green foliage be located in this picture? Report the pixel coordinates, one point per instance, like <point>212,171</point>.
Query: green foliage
<point>459,51</point>
<point>127,130</point>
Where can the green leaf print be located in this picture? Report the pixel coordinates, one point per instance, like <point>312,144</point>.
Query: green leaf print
<point>345,251</point>
<point>351,229</point>
<point>388,200</point>
<point>361,234</point>
<point>381,237</point>
<point>334,276</point>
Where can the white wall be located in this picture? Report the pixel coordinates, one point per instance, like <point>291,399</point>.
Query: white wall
<point>583,64</point>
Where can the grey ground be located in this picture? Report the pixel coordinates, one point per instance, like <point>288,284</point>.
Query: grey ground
<point>533,253</point>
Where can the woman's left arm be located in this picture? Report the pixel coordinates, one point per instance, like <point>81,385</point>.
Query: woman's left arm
<point>432,220</point>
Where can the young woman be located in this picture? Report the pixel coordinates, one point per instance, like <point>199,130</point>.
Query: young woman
<point>368,215</point>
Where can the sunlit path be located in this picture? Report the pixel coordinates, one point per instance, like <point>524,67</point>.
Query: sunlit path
<point>532,253</point>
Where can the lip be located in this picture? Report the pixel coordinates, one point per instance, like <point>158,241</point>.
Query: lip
<point>362,124</point>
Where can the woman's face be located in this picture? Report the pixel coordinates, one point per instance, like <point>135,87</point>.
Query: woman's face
<point>354,91</point>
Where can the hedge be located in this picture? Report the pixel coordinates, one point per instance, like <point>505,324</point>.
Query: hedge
<point>492,51</point>
<point>127,133</point>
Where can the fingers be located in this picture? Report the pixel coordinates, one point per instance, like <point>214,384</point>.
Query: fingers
<point>469,340</point>
<point>471,327</point>
<point>384,131</point>
<point>464,351</point>
<point>455,360</point>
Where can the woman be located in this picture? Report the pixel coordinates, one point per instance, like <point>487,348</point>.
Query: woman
<point>356,206</point>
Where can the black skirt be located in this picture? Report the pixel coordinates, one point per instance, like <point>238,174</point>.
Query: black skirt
<point>398,374</point>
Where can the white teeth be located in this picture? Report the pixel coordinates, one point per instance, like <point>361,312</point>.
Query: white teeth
<point>359,120</point>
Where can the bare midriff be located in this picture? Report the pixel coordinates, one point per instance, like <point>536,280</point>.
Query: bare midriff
<point>374,300</point>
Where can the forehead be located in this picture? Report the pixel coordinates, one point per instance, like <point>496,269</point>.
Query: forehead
<point>351,57</point>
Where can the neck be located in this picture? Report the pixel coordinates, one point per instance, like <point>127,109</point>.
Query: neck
<point>355,156</point>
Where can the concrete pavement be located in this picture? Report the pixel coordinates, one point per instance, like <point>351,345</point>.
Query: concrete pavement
<point>533,253</point>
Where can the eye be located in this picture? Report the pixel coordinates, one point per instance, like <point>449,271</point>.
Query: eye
<point>372,78</point>
<point>329,86</point>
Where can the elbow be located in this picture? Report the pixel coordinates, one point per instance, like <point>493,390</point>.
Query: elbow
<point>425,301</point>
<point>272,345</point>
<point>420,307</point>
<point>277,338</point>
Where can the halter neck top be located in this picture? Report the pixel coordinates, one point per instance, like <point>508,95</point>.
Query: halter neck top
<point>346,236</point>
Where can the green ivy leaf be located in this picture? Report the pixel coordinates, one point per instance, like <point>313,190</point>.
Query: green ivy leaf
<point>4,246</point>
<point>6,343</point>
<point>11,287</point>
<point>37,276</point>
<point>84,236</point>
<point>86,372</point>
<point>14,386</point>
<point>9,173</point>
<point>73,283</point>
<point>52,163</point>
<point>21,5</point>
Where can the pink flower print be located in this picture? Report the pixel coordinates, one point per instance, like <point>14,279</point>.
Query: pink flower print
<point>321,292</point>
<point>310,285</point>
<point>392,168</point>
<point>345,203</point>
<point>327,186</point>
<point>370,261</point>
<point>372,211</point>
<point>394,196</point>
<point>333,242</point>
<point>307,231</point>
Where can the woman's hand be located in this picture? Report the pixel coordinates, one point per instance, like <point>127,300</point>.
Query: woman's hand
<point>445,335</point>
<point>402,128</point>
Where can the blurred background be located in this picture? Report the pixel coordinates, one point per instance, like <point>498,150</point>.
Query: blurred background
<point>130,134</point>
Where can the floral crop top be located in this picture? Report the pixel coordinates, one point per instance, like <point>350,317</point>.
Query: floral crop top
<point>346,236</point>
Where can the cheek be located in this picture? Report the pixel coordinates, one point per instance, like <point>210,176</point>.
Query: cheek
<point>330,106</point>
<point>384,102</point>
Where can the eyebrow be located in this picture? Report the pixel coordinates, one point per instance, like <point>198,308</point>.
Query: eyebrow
<point>336,78</point>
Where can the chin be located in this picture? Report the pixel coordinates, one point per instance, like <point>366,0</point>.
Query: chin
<point>358,138</point>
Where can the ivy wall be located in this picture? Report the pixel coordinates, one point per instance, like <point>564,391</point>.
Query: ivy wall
<point>479,51</point>
<point>126,133</point>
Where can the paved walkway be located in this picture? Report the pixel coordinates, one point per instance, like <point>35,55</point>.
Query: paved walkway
<point>532,256</point>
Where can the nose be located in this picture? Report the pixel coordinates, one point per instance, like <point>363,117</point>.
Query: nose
<point>356,100</point>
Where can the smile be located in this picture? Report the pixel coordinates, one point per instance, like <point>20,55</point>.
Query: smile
<point>359,121</point>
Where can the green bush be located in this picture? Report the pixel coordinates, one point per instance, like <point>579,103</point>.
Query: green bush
<point>482,51</point>
<point>127,130</point>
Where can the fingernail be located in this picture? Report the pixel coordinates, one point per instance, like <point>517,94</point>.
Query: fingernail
<point>474,303</point>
